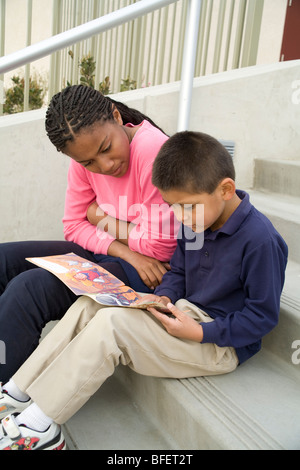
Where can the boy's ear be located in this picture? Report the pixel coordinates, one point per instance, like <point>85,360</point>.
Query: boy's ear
<point>117,116</point>
<point>227,188</point>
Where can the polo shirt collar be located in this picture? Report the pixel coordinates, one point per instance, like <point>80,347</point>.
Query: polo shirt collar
<point>235,220</point>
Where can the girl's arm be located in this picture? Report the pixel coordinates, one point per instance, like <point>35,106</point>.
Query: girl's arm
<point>77,228</point>
<point>150,269</point>
<point>117,228</point>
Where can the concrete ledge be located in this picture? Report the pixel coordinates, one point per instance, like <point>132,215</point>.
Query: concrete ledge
<point>284,212</point>
<point>255,407</point>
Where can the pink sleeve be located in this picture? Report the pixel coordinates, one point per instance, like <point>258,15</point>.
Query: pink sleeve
<point>77,228</point>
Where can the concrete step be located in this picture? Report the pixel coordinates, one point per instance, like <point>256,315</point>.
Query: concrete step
<point>278,176</point>
<point>284,212</point>
<point>255,407</point>
<point>113,420</point>
<point>280,340</point>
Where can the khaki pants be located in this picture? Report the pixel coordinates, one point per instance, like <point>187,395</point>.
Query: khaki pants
<point>86,346</point>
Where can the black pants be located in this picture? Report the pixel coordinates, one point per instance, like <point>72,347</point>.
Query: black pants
<point>30,297</point>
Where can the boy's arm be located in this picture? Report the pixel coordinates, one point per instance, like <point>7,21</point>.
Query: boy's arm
<point>262,276</point>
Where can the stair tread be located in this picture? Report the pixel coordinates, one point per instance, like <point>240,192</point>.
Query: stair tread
<point>112,420</point>
<point>279,205</point>
<point>279,161</point>
<point>292,282</point>
<point>254,399</point>
<point>255,407</point>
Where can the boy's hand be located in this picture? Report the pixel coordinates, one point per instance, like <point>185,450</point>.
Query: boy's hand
<point>182,326</point>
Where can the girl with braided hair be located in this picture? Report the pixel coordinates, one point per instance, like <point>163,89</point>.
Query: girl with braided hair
<point>114,216</point>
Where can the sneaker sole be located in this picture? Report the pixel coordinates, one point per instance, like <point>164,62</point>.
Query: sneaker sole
<point>57,443</point>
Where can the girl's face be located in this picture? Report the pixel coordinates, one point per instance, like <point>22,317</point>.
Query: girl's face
<point>103,148</point>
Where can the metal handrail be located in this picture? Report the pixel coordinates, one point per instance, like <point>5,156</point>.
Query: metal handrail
<point>111,20</point>
<point>79,33</point>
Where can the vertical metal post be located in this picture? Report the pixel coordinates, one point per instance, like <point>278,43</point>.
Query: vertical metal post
<point>219,36</point>
<point>52,70</point>
<point>2,44</point>
<point>188,64</point>
<point>252,32</point>
<point>239,34</point>
<point>27,66</point>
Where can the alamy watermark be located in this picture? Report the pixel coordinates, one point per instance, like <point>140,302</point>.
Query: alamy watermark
<point>296,353</point>
<point>296,92</point>
<point>2,353</point>
<point>154,222</point>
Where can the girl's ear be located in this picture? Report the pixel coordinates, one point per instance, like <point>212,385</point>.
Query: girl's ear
<point>117,116</point>
<point>227,188</point>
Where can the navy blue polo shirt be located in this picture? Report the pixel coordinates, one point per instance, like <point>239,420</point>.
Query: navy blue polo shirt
<point>236,277</point>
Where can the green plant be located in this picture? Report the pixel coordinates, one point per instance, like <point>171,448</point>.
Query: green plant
<point>14,96</point>
<point>87,71</point>
<point>87,74</point>
<point>128,84</point>
<point>104,86</point>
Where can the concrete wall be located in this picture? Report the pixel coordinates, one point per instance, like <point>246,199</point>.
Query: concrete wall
<point>257,107</point>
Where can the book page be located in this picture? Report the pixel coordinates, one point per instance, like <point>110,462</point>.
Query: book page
<point>83,277</point>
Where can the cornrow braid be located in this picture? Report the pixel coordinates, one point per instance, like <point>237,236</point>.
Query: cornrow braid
<point>79,106</point>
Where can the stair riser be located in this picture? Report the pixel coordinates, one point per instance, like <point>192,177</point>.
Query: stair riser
<point>279,177</point>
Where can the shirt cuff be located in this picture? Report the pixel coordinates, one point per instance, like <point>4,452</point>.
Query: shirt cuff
<point>104,241</point>
<point>209,333</point>
<point>166,292</point>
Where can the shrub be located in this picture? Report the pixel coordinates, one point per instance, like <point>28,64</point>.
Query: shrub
<point>14,96</point>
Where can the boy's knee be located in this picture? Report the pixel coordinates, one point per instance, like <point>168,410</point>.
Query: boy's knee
<point>114,318</point>
<point>83,302</point>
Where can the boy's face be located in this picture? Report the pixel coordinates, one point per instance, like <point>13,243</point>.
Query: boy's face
<point>197,211</point>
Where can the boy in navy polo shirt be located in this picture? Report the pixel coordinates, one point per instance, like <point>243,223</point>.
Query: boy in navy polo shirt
<point>238,275</point>
<point>226,279</point>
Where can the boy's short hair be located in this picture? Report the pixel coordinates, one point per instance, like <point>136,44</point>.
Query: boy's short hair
<point>193,162</point>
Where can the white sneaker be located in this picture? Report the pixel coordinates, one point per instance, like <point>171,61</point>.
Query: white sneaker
<point>10,405</point>
<point>14,437</point>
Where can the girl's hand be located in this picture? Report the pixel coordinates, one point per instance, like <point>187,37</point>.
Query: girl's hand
<point>180,324</point>
<point>150,269</point>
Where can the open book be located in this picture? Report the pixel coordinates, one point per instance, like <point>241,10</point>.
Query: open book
<point>84,277</point>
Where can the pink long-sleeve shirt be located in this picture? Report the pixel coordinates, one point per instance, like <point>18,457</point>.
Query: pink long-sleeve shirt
<point>131,198</point>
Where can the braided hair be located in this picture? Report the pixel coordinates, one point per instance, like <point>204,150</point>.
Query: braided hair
<point>80,106</point>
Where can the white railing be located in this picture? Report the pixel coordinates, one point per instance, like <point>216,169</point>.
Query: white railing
<point>187,38</point>
<point>109,21</point>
